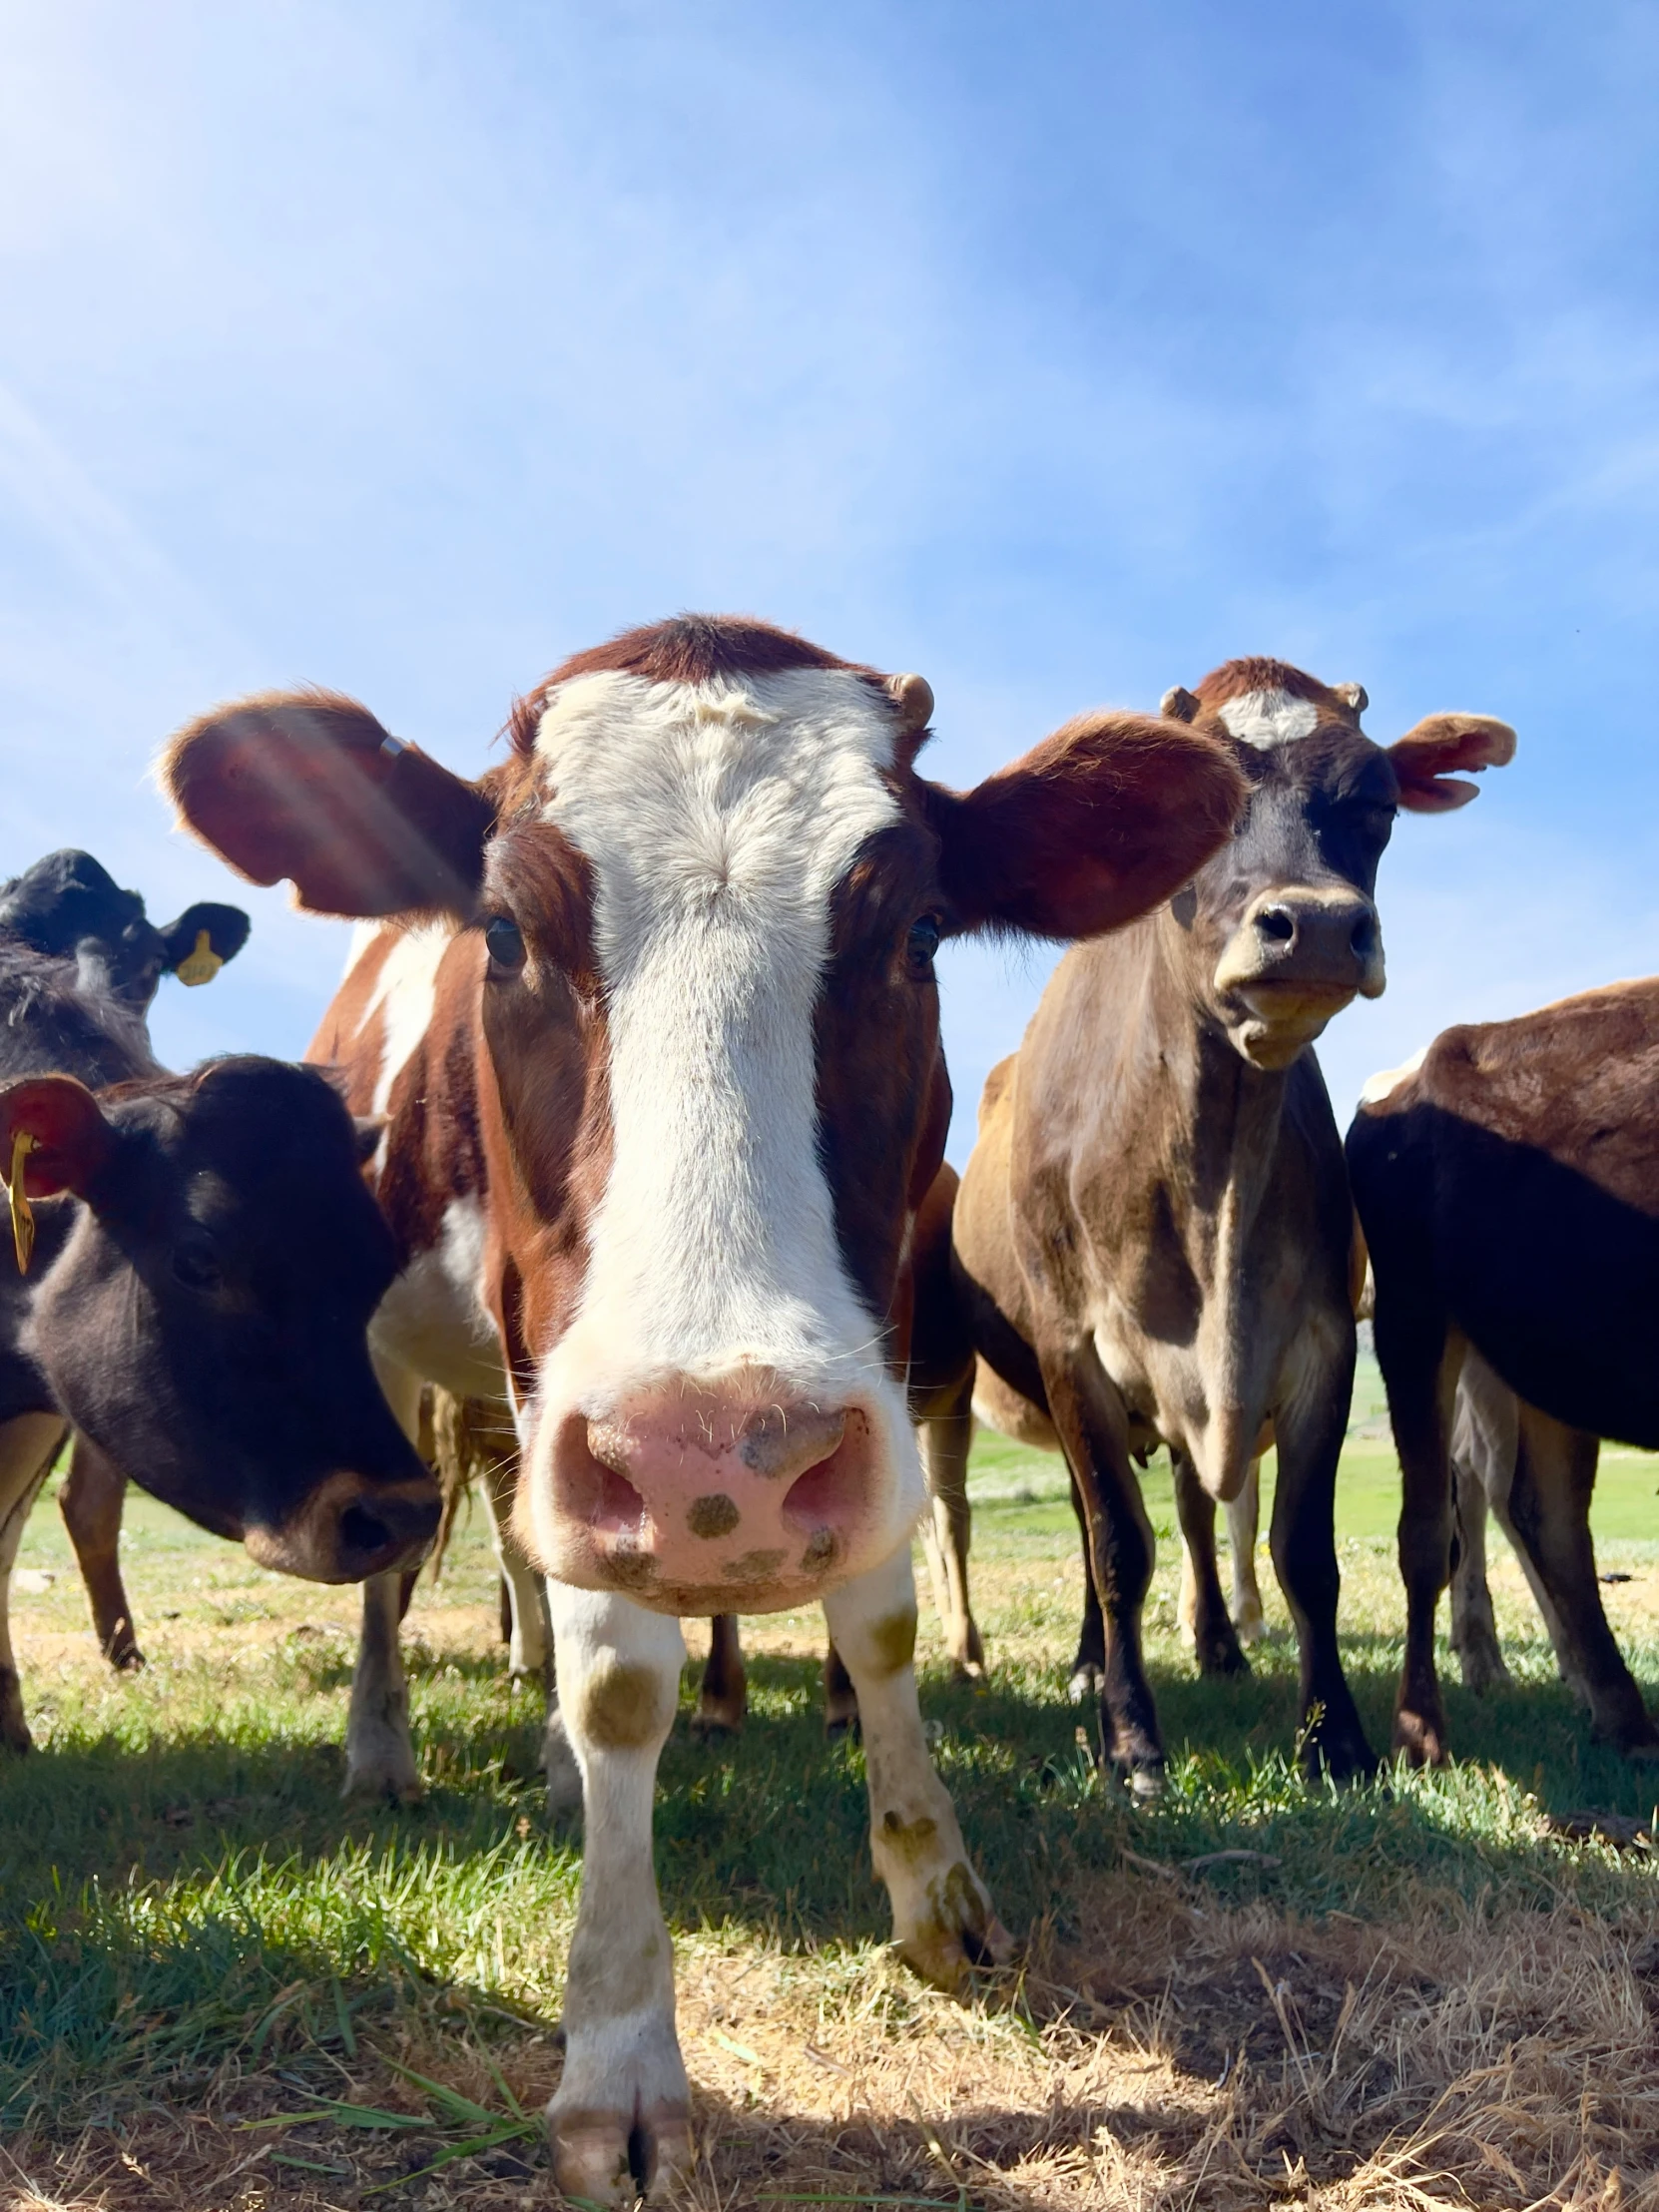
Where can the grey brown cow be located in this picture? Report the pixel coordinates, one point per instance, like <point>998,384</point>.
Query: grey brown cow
<point>1155,1233</point>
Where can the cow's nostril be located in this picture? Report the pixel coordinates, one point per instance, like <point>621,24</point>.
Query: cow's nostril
<point>362,1531</point>
<point>1364,936</point>
<point>1274,923</point>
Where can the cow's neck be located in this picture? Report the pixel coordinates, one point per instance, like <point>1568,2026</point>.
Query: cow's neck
<point>1220,1118</point>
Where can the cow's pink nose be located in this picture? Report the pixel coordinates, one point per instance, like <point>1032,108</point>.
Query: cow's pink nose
<point>726,1500</point>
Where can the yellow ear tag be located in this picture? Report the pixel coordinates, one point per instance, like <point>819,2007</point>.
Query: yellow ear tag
<point>23,1219</point>
<point>201,965</point>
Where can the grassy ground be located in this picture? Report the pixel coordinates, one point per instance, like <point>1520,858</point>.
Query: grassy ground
<point>1252,1992</point>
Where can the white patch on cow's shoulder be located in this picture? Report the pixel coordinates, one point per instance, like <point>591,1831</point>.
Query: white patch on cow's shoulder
<point>404,990</point>
<point>717,819</point>
<point>1387,1081</point>
<point>1269,718</point>
<point>434,1319</point>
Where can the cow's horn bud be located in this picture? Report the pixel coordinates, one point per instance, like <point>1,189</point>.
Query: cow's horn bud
<point>1178,704</point>
<point>1355,695</point>
<point>913,697</point>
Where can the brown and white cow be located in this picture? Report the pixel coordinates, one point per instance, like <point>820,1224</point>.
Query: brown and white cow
<point>1508,1185</point>
<point>657,1034</point>
<point>1154,1232</point>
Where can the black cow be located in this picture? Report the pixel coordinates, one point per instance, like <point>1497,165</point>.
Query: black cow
<point>193,1267</point>
<point>80,964</point>
<point>1508,1187</point>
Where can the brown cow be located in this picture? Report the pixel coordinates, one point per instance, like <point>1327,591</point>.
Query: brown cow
<point>657,1034</point>
<point>1509,1184</point>
<point>1155,1228</point>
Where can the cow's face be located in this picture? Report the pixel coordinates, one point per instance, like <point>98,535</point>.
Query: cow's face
<point>68,906</point>
<point>701,922</point>
<point>1280,929</point>
<point>205,1321</point>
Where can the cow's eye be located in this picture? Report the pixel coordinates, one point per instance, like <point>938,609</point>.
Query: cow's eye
<point>505,945</point>
<point>922,944</point>
<point>195,1262</point>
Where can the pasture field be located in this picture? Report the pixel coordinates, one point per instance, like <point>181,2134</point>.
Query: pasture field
<point>222,1988</point>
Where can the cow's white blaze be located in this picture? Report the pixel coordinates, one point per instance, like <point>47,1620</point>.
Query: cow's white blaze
<point>1269,718</point>
<point>717,819</point>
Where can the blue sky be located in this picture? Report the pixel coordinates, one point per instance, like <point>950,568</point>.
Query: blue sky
<point>1058,350</point>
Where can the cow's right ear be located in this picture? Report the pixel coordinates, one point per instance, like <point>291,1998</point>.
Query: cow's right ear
<point>1092,829</point>
<point>54,1130</point>
<point>308,786</point>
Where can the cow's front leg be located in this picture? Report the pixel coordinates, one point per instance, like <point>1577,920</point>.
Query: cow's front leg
<point>621,2117</point>
<point>942,1916</point>
<point>29,1442</point>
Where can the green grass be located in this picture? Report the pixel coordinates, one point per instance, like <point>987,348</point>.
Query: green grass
<point>180,1887</point>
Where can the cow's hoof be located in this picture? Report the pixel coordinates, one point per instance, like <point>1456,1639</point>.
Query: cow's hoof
<point>720,1716</point>
<point>1250,1627</point>
<point>957,1935</point>
<point>128,1661</point>
<point>612,2157</point>
<point>397,1783</point>
<point>842,1719</point>
<point>1420,1737</point>
<point>1142,1778</point>
<point>1086,1682</point>
<point>1482,1666</point>
<point>1222,1655</point>
<point>1339,1756</point>
<point>968,1670</point>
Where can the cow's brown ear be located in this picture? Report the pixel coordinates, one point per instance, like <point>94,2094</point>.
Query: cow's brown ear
<point>308,786</point>
<point>1442,741</point>
<point>1095,826</point>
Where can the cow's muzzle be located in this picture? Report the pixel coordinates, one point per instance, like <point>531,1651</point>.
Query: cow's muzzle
<point>1300,954</point>
<point>349,1528</point>
<point>743,1499</point>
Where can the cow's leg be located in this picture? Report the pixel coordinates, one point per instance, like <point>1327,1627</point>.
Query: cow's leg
<point>1205,1621</point>
<point>1310,1432</point>
<point>946,1440</point>
<point>91,1501</point>
<point>1243,1519</point>
<point>1088,1667</point>
<point>942,1916</point>
<point>380,1756</point>
<point>1550,1504</point>
<point>1094,1429</point>
<point>622,2112</point>
<point>1474,1623</point>
<point>529,1645</point>
<point>29,1442</point>
<point>840,1699</point>
<point>1567,1654</point>
<point>1420,1355</point>
<point>723,1699</point>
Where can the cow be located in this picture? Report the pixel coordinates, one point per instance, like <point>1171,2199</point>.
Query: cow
<point>1508,1185</point>
<point>195,1265</point>
<point>1154,1231</point>
<point>80,951</point>
<point>652,1018</point>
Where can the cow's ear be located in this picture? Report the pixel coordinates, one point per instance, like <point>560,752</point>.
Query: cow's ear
<point>203,938</point>
<point>1442,741</point>
<point>308,786</point>
<point>1096,826</point>
<point>54,1131</point>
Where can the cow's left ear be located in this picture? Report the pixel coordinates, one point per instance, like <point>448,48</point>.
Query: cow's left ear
<point>203,938</point>
<point>1092,829</point>
<point>308,786</point>
<point>1442,741</point>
